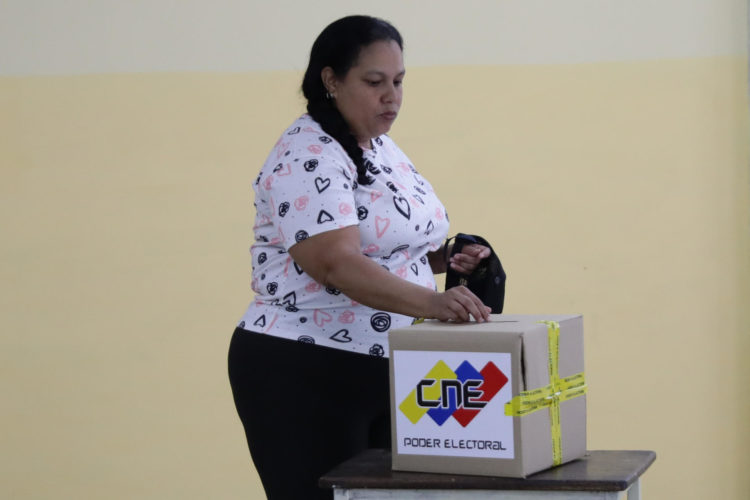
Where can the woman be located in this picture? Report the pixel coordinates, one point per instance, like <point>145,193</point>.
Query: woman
<point>348,237</point>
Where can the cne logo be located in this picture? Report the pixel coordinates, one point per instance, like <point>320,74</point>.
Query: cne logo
<point>461,393</point>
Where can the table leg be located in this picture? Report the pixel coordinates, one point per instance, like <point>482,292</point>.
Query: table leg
<point>634,492</point>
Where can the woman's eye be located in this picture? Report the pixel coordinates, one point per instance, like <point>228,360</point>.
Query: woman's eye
<point>398,83</point>
<point>373,83</point>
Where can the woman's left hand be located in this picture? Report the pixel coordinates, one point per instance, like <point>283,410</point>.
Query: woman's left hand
<point>469,258</point>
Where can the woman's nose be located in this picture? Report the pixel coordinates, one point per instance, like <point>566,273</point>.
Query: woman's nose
<point>390,93</point>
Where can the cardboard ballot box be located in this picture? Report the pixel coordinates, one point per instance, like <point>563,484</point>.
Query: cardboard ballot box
<point>502,398</point>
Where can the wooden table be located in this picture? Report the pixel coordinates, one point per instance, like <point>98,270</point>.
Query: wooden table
<point>600,475</point>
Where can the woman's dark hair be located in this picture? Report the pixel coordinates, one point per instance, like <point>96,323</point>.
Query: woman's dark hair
<point>338,46</point>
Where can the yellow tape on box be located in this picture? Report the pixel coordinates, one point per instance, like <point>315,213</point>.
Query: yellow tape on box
<point>550,396</point>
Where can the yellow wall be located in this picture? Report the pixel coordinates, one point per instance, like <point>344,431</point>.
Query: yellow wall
<point>619,190</point>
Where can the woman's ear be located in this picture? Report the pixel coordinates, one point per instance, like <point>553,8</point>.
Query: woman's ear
<point>329,79</point>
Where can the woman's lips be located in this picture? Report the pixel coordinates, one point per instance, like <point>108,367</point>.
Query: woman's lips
<point>390,115</point>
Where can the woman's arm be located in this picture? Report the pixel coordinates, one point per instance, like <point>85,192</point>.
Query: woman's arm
<point>438,259</point>
<point>334,259</point>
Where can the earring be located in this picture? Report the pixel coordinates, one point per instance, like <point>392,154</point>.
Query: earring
<point>329,96</point>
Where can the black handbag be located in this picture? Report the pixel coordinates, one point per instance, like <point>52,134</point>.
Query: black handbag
<point>487,281</point>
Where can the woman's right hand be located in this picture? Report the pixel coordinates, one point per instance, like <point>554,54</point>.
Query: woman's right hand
<point>456,304</point>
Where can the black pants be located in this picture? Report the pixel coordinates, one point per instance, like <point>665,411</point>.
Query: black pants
<point>305,409</point>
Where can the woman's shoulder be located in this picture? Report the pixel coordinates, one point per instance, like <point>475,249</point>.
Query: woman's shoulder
<point>305,143</point>
<point>306,135</point>
<point>303,126</point>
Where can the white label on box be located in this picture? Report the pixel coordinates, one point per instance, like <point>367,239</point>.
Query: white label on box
<point>453,403</point>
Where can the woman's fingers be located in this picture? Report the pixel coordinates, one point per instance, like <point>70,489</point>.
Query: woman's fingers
<point>460,304</point>
<point>469,258</point>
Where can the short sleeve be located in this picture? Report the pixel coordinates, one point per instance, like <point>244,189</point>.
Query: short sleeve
<point>309,194</point>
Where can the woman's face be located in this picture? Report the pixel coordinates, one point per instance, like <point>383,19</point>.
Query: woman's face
<point>369,96</point>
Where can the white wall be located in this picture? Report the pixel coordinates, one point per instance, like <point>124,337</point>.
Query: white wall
<point>106,36</point>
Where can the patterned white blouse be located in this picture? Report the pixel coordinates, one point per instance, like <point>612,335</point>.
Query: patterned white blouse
<point>308,185</point>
